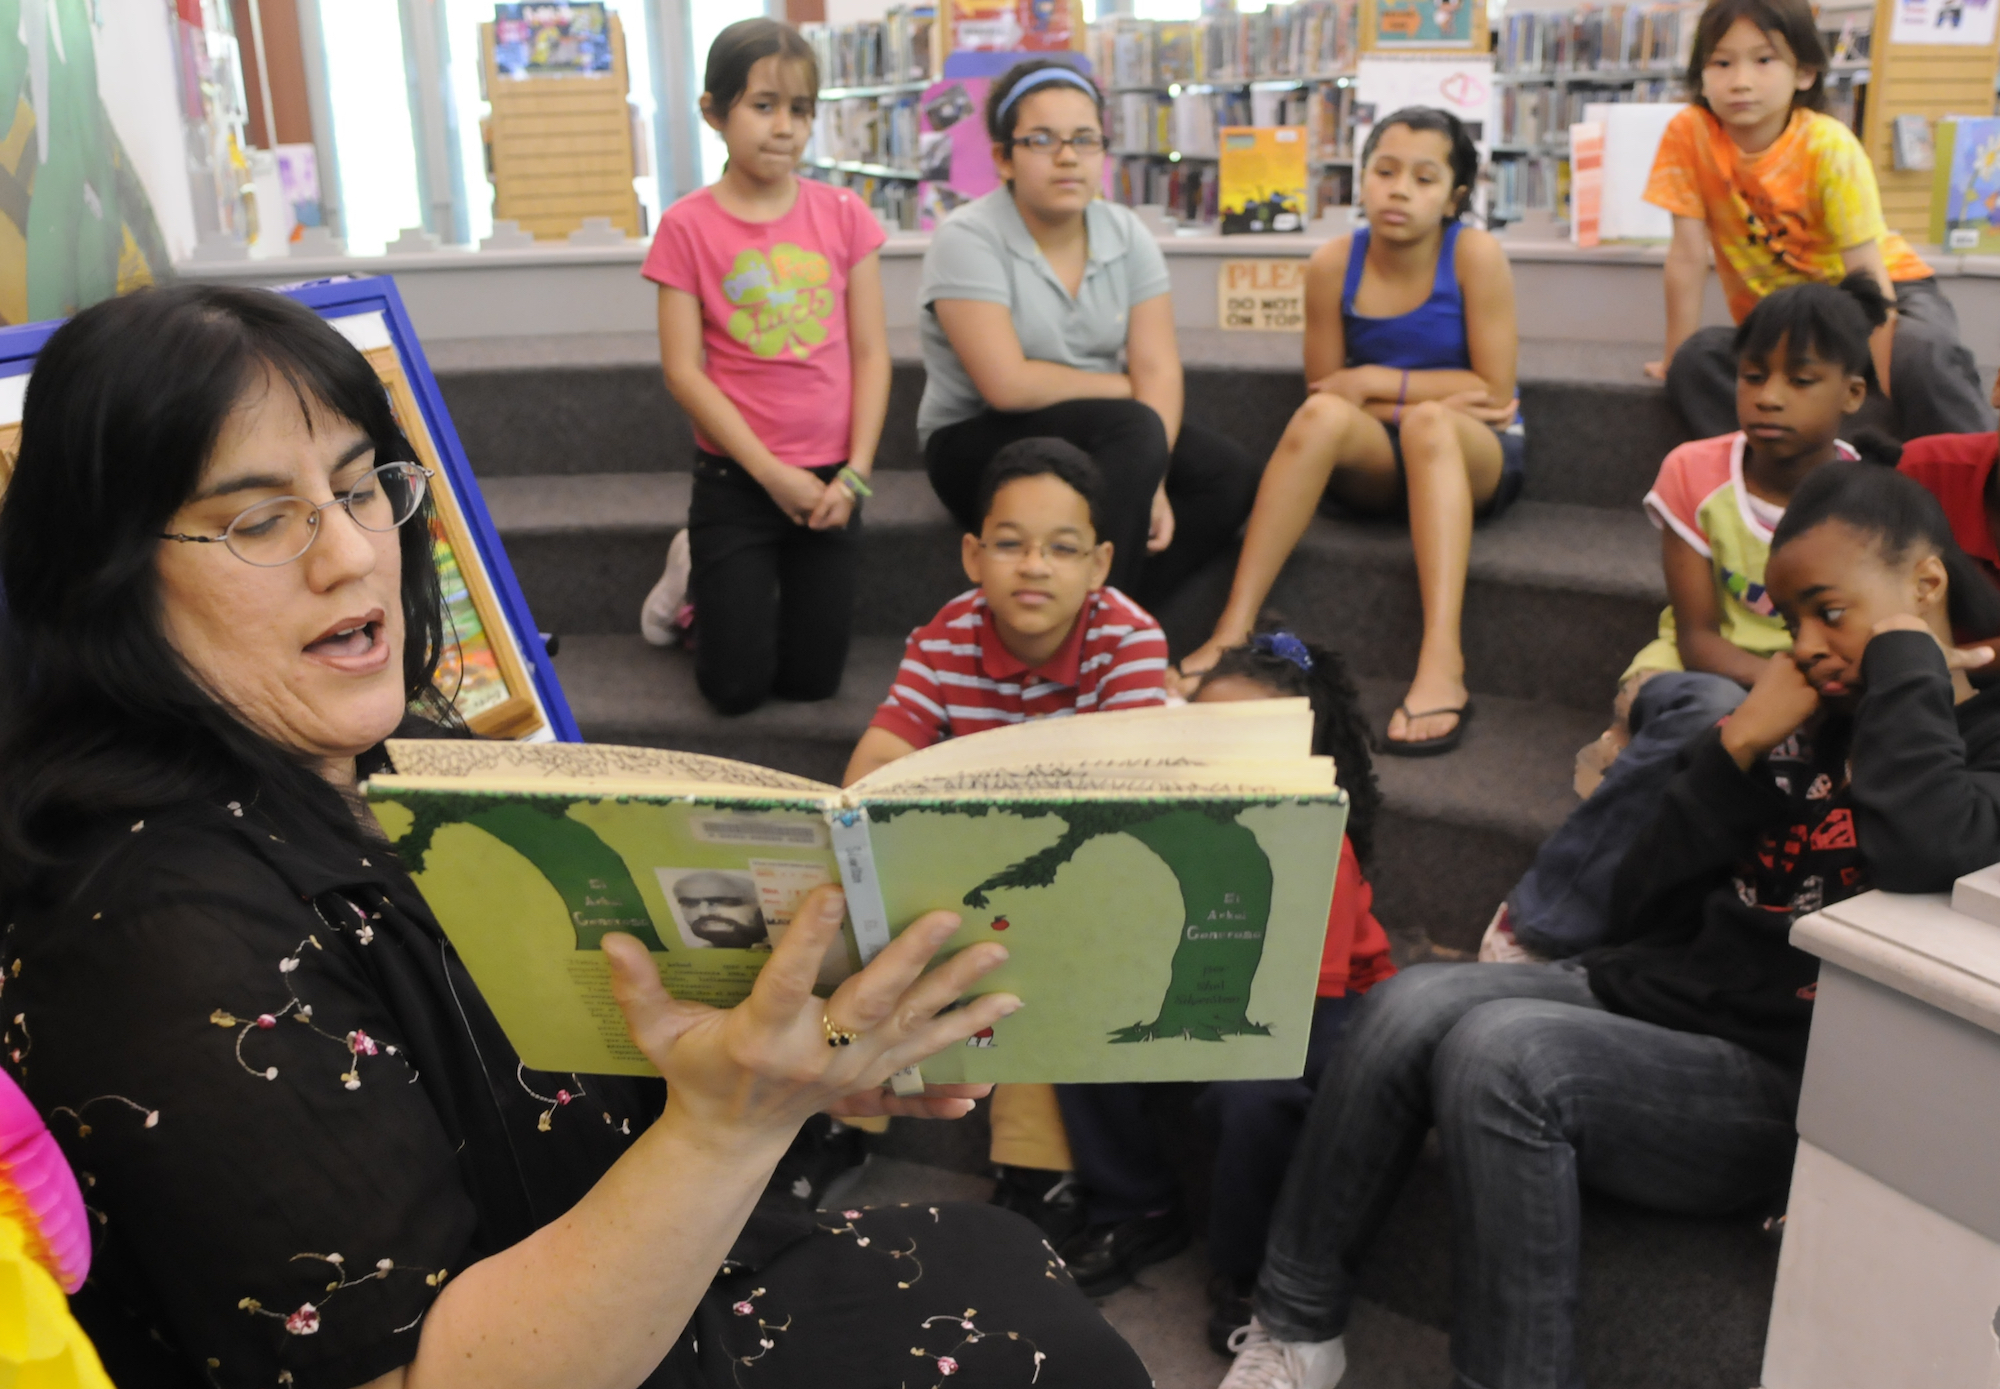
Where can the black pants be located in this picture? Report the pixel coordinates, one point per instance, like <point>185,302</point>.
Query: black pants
<point>1933,380</point>
<point>1211,481</point>
<point>774,601</point>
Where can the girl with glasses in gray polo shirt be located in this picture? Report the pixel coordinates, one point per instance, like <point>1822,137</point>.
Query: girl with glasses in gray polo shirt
<point>1046,312</point>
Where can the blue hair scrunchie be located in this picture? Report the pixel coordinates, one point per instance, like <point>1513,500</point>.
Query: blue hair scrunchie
<point>1041,77</point>
<point>1285,646</point>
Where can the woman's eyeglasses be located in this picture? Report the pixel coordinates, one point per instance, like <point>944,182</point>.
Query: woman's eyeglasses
<point>1048,142</point>
<point>279,531</point>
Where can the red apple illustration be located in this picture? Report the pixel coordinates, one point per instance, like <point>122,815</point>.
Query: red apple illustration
<point>1001,923</point>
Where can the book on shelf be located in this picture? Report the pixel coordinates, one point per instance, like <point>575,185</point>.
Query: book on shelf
<point>1312,38</point>
<point>880,130</point>
<point>1965,185</point>
<point>1910,143</point>
<point>1160,877</point>
<point>898,48</point>
<point>1597,38</point>
<point>1263,179</point>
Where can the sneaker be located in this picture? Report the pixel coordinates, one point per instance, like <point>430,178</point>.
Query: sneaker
<point>660,618</point>
<point>1265,1363</point>
<point>1053,1200</point>
<point>1104,1258</point>
<point>1228,1310</point>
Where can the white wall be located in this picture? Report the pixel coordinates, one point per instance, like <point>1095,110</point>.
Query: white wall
<point>135,78</point>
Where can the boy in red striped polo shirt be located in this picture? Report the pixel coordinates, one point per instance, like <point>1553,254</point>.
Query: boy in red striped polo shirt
<point>1041,636</point>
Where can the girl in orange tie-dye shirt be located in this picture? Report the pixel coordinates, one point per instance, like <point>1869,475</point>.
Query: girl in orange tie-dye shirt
<point>1785,195</point>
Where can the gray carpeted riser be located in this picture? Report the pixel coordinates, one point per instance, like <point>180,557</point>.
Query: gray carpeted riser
<point>1520,640</point>
<point>1590,444</point>
<point>1443,879</point>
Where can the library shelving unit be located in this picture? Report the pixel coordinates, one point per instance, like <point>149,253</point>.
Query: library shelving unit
<point>865,135</point>
<point>1928,80</point>
<point>1171,85</point>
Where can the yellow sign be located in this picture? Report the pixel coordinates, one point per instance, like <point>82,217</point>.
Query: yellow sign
<point>1261,295</point>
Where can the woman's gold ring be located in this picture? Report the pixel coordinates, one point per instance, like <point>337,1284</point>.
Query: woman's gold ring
<point>836,1037</point>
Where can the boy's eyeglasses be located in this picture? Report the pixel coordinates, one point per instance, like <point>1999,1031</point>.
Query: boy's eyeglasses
<point>1048,142</point>
<point>279,531</point>
<point>1010,551</point>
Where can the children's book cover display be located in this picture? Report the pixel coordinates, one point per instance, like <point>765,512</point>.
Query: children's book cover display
<point>1164,911</point>
<point>495,668</point>
<point>546,40</point>
<point>1965,185</point>
<point>1263,174</point>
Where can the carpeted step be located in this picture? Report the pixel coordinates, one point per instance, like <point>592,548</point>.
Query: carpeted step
<point>1559,596</point>
<point>1590,443</point>
<point>1457,830</point>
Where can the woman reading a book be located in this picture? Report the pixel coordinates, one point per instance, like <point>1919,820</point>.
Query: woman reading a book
<point>1045,312</point>
<point>314,1156</point>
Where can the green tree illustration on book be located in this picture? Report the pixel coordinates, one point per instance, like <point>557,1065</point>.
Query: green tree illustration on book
<point>1225,883</point>
<point>589,875</point>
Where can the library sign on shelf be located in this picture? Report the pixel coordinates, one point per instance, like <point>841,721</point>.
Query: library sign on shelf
<point>1262,295</point>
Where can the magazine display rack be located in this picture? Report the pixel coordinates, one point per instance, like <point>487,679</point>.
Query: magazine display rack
<point>559,144</point>
<point>496,668</point>
<point>1928,79</point>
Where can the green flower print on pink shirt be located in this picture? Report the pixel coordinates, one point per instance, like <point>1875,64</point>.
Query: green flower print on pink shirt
<point>783,301</point>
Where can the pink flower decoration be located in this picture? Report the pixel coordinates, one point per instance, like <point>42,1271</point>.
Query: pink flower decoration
<point>562,1097</point>
<point>850,1215</point>
<point>266,1020</point>
<point>37,1183</point>
<point>744,1309</point>
<point>304,1322</point>
<point>361,1044</point>
<point>947,1365</point>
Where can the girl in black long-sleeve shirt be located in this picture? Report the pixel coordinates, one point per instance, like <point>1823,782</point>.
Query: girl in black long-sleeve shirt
<point>1662,1068</point>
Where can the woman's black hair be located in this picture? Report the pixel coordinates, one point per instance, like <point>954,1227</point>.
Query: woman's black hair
<point>1790,20</point>
<point>1816,320</point>
<point>99,716</point>
<point>1464,153</point>
<point>740,47</point>
<point>1001,117</point>
<point>1339,729</point>
<point>1902,517</point>
<point>1045,456</point>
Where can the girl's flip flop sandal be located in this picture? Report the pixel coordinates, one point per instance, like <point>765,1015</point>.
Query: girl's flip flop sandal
<point>1428,747</point>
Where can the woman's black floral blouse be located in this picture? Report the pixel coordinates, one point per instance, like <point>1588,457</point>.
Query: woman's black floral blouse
<point>293,1116</point>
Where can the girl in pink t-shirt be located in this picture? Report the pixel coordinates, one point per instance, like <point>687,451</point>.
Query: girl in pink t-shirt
<point>773,340</point>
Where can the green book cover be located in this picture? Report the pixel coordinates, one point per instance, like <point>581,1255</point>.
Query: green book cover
<point>1164,916</point>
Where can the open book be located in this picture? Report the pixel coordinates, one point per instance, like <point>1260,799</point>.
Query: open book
<point>1160,877</point>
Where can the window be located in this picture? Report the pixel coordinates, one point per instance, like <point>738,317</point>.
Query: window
<point>373,142</point>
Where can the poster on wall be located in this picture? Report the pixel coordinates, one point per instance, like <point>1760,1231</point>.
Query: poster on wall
<point>76,225</point>
<point>1426,24</point>
<point>1929,23</point>
<point>1462,86</point>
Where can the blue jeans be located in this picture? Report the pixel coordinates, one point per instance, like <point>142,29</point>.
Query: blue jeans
<point>1563,903</point>
<point>1122,1163</point>
<point>1535,1090</point>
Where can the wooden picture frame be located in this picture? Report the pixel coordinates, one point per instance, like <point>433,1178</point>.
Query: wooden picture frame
<point>517,694</point>
<point>499,703</point>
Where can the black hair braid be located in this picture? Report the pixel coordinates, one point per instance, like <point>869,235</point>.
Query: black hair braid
<point>1339,729</point>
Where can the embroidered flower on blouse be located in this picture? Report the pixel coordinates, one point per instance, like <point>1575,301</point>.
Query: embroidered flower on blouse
<point>304,1322</point>
<point>947,1365</point>
<point>744,1309</point>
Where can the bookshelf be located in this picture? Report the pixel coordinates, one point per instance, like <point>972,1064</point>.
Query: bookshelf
<point>1172,85</point>
<point>865,133</point>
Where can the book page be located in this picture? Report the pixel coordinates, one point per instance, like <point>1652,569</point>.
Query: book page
<point>1164,777</point>
<point>514,762</point>
<point>1262,730</point>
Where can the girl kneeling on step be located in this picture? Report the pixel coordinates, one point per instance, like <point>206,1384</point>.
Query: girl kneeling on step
<point>774,341</point>
<point>1410,351</point>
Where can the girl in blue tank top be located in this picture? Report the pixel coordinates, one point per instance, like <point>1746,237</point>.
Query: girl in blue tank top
<point>1410,351</point>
